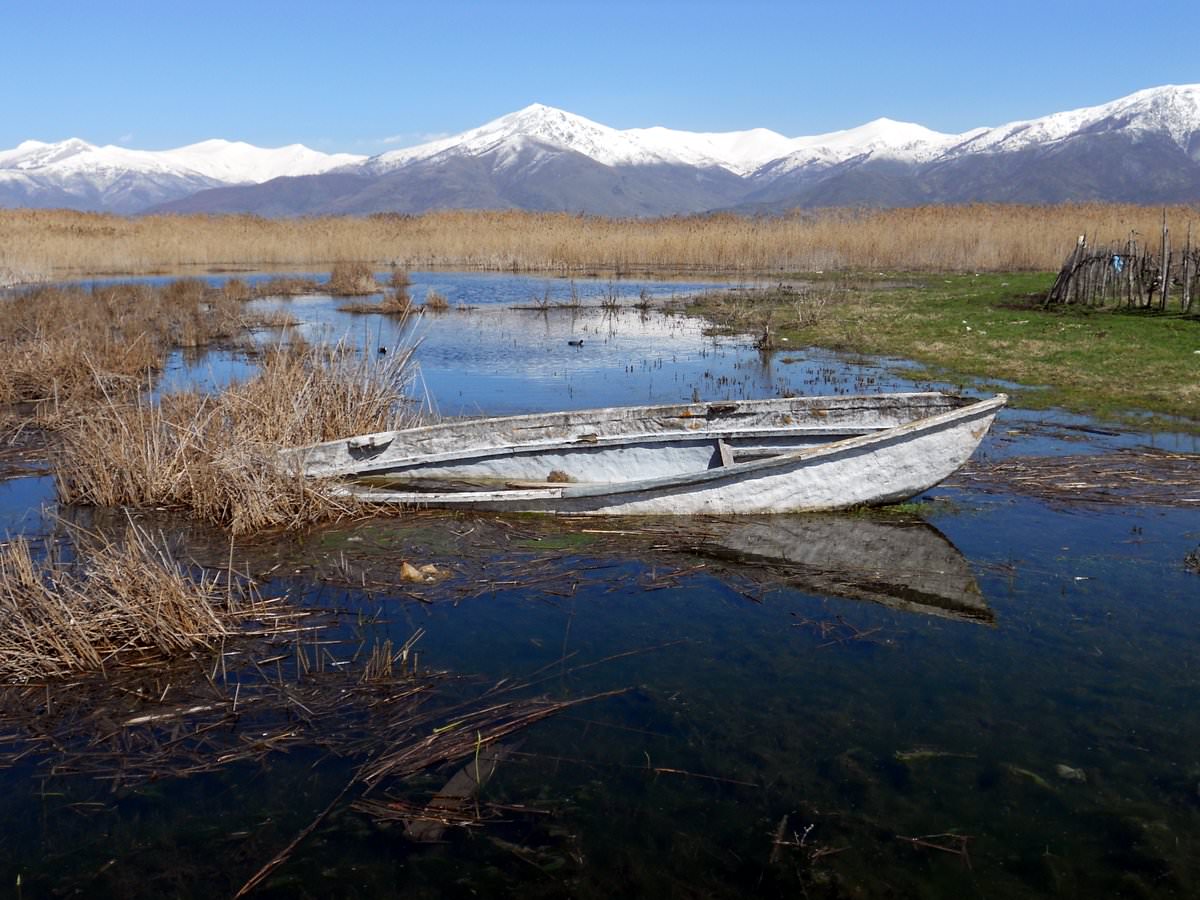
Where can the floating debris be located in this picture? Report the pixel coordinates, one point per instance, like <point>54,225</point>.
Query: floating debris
<point>448,804</point>
<point>1155,477</point>
<point>1028,775</point>
<point>426,574</point>
<point>1067,773</point>
<point>921,754</point>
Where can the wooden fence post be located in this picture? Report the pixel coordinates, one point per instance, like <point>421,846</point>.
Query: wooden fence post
<point>1185,301</point>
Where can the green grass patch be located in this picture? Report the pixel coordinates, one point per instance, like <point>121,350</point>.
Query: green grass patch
<point>1118,365</point>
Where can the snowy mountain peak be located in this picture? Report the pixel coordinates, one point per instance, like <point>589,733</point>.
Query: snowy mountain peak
<point>1173,110</point>
<point>739,151</point>
<point>80,175</point>
<point>536,122</point>
<point>232,162</point>
<point>552,126</point>
<point>36,154</point>
<point>881,138</point>
<point>239,162</point>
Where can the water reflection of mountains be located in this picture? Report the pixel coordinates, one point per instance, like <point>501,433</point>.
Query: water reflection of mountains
<point>903,565</point>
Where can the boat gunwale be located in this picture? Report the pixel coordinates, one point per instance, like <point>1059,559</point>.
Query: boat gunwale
<point>663,437</point>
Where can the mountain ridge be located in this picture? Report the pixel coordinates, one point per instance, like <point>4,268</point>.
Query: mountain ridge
<point>1145,147</point>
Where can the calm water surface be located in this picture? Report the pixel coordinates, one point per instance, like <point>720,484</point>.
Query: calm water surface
<point>999,703</point>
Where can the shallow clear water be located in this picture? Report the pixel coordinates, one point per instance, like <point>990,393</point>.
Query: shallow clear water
<point>1054,737</point>
<point>22,501</point>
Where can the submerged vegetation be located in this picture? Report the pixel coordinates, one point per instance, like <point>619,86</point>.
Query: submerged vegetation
<point>122,668</point>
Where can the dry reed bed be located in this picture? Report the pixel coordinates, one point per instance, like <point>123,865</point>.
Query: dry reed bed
<point>64,348</point>
<point>82,362</point>
<point>216,455</point>
<point>944,238</point>
<point>116,602</point>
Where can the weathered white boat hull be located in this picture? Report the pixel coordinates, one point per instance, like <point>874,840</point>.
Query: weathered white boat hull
<point>883,465</point>
<point>617,443</point>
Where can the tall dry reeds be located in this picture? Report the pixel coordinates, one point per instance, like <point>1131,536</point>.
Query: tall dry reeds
<point>348,279</point>
<point>394,302</point>
<point>121,600</point>
<point>983,237</point>
<point>217,456</point>
<point>62,348</point>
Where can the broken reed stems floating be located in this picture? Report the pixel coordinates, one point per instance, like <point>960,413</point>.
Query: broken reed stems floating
<point>1149,476</point>
<point>146,720</point>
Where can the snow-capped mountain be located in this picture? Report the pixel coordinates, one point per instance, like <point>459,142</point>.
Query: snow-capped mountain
<point>82,175</point>
<point>880,139</point>
<point>740,152</point>
<point>1172,111</point>
<point>1141,148</point>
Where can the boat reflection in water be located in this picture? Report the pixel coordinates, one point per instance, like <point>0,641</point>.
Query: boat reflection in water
<point>905,565</point>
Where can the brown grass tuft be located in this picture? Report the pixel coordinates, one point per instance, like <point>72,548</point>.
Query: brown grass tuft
<point>348,279</point>
<point>236,289</point>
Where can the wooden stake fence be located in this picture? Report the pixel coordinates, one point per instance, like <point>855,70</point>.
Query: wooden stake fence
<point>1130,274</point>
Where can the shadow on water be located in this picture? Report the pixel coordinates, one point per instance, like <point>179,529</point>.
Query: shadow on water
<point>807,704</point>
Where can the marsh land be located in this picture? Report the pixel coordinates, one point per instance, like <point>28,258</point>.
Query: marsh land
<point>987,690</point>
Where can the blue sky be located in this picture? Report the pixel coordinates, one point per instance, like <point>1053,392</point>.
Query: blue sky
<point>369,76</point>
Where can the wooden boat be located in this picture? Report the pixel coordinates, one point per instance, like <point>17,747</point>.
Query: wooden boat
<point>754,456</point>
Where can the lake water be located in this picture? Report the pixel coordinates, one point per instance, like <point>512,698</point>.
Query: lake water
<point>998,702</point>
